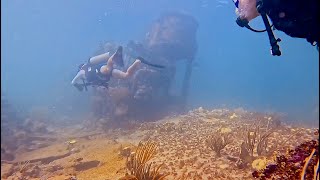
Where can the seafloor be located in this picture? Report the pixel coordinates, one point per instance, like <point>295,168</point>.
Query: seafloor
<point>182,147</point>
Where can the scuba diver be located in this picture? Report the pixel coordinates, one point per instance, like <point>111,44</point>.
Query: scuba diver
<point>296,18</point>
<point>99,69</point>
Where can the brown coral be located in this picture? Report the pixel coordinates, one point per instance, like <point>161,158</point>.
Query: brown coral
<point>218,141</point>
<point>138,166</point>
<point>256,137</point>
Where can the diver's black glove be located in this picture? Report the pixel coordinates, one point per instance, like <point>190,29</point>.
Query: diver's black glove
<point>79,86</point>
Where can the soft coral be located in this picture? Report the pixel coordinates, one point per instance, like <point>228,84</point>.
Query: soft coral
<point>291,165</point>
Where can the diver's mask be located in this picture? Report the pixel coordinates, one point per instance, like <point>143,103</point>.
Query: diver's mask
<point>275,49</point>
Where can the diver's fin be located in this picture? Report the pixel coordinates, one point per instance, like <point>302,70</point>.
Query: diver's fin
<point>119,57</point>
<point>150,64</point>
<point>78,86</point>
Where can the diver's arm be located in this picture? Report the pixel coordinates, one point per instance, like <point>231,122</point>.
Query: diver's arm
<point>80,75</point>
<point>100,58</point>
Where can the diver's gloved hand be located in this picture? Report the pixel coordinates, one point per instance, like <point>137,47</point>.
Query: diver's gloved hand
<point>79,86</point>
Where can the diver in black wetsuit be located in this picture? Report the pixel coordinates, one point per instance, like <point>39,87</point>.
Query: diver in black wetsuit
<point>99,69</point>
<point>296,18</point>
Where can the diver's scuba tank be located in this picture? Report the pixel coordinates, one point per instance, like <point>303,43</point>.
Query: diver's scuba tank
<point>100,58</point>
<point>275,49</point>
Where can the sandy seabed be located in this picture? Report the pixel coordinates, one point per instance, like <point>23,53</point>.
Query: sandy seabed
<point>182,148</point>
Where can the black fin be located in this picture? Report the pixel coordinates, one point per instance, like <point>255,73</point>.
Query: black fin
<point>119,57</point>
<point>148,63</point>
<point>79,87</point>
